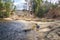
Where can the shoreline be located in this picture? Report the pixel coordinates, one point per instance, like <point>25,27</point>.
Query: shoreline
<point>29,19</point>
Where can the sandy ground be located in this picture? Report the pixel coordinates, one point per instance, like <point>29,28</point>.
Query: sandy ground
<point>45,27</point>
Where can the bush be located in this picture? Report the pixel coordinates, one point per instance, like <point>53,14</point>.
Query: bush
<point>42,11</point>
<point>5,8</point>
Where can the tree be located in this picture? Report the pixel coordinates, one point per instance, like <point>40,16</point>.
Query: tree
<point>40,10</point>
<point>6,6</point>
<point>59,2</point>
<point>36,6</point>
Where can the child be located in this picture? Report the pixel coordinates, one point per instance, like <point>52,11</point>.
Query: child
<point>37,27</point>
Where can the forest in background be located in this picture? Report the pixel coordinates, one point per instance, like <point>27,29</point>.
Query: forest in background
<point>39,8</point>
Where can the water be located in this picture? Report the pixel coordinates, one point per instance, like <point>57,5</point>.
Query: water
<point>13,31</point>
